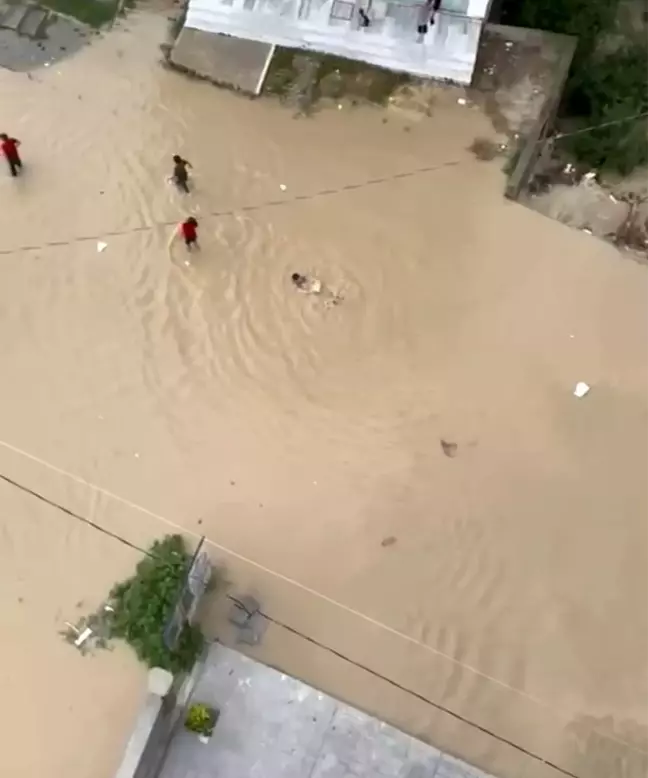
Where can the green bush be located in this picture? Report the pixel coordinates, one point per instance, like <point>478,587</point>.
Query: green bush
<point>586,19</point>
<point>200,719</point>
<point>611,88</point>
<point>142,606</point>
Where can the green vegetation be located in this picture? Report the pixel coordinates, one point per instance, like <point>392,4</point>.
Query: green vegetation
<point>307,77</point>
<point>200,719</point>
<point>606,83</point>
<point>143,604</point>
<point>586,19</point>
<point>94,13</point>
<point>613,86</point>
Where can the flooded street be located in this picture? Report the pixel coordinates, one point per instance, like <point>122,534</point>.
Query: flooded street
<point>506,583</point>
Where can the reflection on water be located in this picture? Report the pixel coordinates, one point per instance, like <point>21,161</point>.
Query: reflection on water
<point>300,436</point>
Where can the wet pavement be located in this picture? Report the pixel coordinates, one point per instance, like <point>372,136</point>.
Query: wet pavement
<point>272,725</point>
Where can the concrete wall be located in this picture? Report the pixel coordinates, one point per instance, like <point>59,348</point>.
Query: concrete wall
<point>161,714</point>
<point>532,144</point>
<point>227,61</point>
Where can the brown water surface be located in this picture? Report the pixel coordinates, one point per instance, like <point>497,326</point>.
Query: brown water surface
<point>507,582</point>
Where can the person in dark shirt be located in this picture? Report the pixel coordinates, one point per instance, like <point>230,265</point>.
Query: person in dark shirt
<point>427,14</point>
<point>180,173</point>
<point>10,150</point>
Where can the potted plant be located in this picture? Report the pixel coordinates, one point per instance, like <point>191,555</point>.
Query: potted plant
<point>201,719</point>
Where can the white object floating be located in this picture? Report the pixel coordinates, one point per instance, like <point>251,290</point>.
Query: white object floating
<point>581,389</point>
<point>339,106</point>
<point>136,455</point>
<point>109,608</point>
<point>462,100</point>
<point>83,637</point>
<point>203,739</point>
<point>187,263</point>
<point>283,187</point>
<point>101,246</point>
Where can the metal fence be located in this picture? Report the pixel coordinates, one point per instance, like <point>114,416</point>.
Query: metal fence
<point>193,587</point>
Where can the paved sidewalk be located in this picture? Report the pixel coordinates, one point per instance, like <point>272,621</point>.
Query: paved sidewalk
<point>273,726</point>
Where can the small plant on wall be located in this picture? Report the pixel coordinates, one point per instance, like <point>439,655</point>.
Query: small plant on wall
<point>200,719</point>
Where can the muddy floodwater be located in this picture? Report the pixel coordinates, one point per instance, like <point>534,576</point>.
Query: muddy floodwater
<point>405,480</point>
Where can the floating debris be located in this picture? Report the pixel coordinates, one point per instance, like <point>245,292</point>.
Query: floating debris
<point>449,449</point>
<point>91,631</point>
<point>101,246</point>
<point>462,100</point>
<point>283,187</point>
<point>581,389</point>
<point>83,637</point>
<point>485,149</point>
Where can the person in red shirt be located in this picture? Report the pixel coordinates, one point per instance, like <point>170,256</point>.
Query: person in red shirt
<point>189,231</point>
<point>10,150</point>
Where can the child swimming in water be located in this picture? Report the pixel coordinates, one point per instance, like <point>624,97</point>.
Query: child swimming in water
<point>306,284</point>
<point>314,286</point>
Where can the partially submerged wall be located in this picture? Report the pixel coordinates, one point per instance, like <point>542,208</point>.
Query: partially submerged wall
<point>232,62</point>
<point>519,79</point>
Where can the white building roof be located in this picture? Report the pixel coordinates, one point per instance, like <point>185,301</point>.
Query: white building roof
<point>447,51</point>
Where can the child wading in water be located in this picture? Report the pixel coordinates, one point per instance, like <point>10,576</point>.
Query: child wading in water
<point>188,231</point>
<point>180,175</point>
<point>10,150</point>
